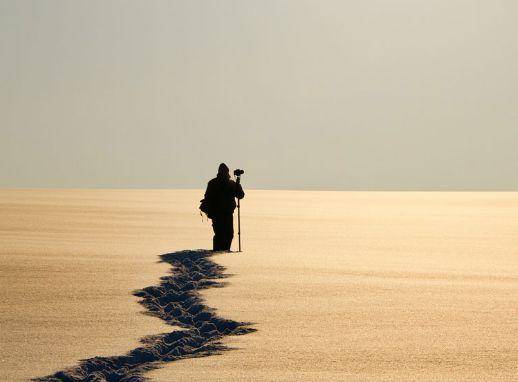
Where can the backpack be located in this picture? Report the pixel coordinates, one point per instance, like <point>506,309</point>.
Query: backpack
<point>204,207</point>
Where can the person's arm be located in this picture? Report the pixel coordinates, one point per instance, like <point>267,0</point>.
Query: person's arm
<point>239,193</point>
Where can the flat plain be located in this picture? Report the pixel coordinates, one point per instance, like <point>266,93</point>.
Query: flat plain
<point>355,286</point>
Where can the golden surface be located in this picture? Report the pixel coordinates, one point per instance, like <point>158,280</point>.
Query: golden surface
<point>349,286</point>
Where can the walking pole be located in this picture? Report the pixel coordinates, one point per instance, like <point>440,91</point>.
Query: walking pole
<point>239,224</point>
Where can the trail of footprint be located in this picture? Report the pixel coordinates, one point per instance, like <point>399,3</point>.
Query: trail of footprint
<point>178,302</point>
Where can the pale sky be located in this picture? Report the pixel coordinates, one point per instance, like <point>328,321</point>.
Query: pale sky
<point>365,94</point>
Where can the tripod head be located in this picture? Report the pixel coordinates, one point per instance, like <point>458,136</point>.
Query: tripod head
<point>237,173</point>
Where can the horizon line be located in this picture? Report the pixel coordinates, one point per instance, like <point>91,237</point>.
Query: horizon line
<point>43,188</point>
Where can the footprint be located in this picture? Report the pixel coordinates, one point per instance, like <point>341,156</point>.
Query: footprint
<point>177,301</point>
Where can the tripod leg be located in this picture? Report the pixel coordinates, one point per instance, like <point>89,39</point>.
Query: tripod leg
<point>239,224</point>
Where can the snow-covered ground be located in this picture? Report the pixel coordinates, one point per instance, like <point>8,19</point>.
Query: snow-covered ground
<point>356,286</point>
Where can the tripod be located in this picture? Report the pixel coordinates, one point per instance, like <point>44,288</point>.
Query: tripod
<point>238,180</point>
<point>238,174</point>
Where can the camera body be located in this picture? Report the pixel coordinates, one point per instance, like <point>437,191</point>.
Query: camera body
<point>239,172</point>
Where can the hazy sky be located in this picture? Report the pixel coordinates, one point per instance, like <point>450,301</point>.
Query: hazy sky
<point>364,94</point>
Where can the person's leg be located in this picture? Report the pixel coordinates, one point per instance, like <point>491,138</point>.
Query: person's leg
<point>218,226</point>
<point>229,231</point>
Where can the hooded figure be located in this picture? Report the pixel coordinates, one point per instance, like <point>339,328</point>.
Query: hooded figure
<point>220,198</point>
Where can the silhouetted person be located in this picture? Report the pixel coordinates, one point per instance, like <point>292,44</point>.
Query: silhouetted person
<point>220,198</point>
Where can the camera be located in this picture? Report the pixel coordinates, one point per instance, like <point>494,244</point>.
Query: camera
<point>239,172</point>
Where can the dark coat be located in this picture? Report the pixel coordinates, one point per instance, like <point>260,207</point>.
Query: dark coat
<point>220,195</point>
